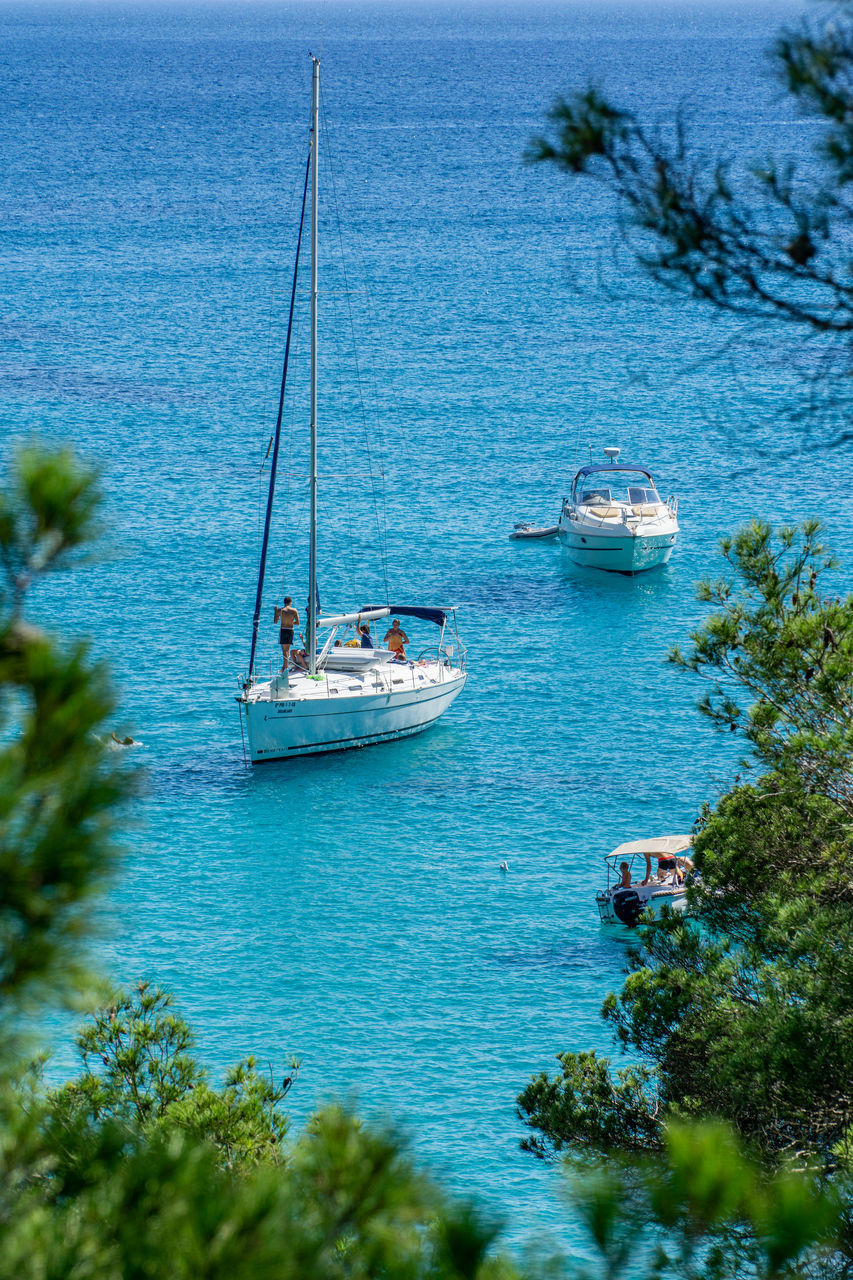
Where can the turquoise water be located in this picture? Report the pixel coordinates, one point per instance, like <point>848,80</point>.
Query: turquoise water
<point>350,909</point>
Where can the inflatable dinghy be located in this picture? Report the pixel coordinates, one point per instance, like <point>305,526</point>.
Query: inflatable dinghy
<point>526,529</point>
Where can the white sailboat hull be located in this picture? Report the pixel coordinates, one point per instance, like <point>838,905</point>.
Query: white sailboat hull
<point>326,716</point>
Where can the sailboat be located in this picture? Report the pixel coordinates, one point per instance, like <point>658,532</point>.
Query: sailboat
<point>346,696</point>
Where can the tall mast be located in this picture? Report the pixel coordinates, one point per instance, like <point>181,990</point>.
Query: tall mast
<point>274,465</point>
<point>312,543</point>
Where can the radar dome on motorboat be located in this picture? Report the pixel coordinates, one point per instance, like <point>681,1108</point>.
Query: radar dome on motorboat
<point>654,846</point>
<point>612,454</point>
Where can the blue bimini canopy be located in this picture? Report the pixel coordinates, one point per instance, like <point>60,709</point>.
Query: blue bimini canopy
<point>438,616</point>
<point>596,467</point>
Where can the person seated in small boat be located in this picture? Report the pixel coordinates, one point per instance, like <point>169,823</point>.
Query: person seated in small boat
<point>396,641</point>
<point>364,638</point>
<point>671,871</point>
<point>299,658</point>
<point>626,881</point>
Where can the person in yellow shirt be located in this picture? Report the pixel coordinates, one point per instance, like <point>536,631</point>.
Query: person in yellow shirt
<point>396,640</point>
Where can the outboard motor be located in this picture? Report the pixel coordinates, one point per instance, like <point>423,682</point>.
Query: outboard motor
<point>627,906</point>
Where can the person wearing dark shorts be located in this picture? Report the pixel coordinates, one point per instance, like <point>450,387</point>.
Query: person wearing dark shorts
<point>287,618</point>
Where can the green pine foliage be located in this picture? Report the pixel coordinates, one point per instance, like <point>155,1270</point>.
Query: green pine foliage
<point>766,244</point>
<point>702,1210</point>
<point>58,787</point>
<point>139,1070</point>
<point>743,1008</point>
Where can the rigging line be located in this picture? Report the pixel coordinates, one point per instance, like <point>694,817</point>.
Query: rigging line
<point>348,292</point>
<point>297,351</point>
<point>337,475</point>
<point>333,327</point>
<point>259,596</point>
<point>273,309</point>
<point>372,330</point>
<point>293,517</point>
<point>336,330</point>
<point>577,446</point>
<point>298,494</point>
<point>300,517</point>
<point>367,291</point>
<point>260,393</point>
<point>381,535</point>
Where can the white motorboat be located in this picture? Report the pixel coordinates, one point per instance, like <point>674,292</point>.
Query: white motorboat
<point>627,896</point>
<point>614,518</point>
<point>345,696</point>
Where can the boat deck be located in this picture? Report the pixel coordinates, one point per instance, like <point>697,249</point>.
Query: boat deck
<point>395,677</point>
<point>640,517</point>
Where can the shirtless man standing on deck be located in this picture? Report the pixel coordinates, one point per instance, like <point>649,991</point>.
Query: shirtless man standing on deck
<point>287,618</point>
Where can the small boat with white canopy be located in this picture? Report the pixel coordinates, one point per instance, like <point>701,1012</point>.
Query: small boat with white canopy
<point>614,518</point>
<point>665,866</point>
<point>345,692</point>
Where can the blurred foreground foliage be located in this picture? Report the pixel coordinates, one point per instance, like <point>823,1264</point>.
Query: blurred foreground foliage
<point>141,1167</point>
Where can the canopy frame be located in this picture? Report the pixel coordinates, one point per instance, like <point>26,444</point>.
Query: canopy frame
<point>653,846</point>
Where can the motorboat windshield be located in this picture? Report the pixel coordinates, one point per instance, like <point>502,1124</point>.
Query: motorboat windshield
<point>604,485</point>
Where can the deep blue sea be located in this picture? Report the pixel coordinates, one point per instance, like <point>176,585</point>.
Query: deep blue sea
<point>349,909</point>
